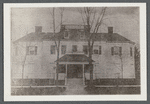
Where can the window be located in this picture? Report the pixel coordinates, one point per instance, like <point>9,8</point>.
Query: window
<point>74,48</point>
<point>81,36</point>
<point>31,50</point>
<point>52,49</point>
<point>100,50</point>
<point>116,50</point>
<point>130,51</point>
<point>95,51</point>
<point>85,49</point>
<point>63,49</point>
<point>66,34</point>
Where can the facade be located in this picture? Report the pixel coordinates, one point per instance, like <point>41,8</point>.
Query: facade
<point>34,57</point>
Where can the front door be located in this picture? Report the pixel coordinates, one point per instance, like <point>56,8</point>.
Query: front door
<point>74,71</point>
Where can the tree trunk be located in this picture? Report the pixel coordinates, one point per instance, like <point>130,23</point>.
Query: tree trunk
<point>57,64</point>
<point>90,64</point>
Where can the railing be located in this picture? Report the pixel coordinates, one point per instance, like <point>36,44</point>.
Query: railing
<point>116,81</point>
<point>47,81</point>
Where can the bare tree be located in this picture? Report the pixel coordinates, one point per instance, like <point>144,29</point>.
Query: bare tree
<point>57,38</point>
<point>93,19</point>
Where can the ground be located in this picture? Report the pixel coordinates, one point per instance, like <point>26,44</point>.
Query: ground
<point>75,87</point>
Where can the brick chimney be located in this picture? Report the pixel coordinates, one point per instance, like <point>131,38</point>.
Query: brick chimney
<point>38,29</point>
<point>110,30</point>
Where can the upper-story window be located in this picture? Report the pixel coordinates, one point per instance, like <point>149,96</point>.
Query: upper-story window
<point>116,50</point>
<point>52,49</point>
<point>97,50</point>
<point>66,34</point>
<point>74,48</point>
<point>81,34</point>
<point>31,50</point>
<point>63,49</point>
<point>85,49</point>
<point>130,51</point>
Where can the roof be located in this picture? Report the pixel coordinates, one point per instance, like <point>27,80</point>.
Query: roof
<point>108,37</point>
<point>74,58</point>
<point>32,37</point>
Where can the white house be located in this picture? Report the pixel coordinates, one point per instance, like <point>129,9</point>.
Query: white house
<point>34,56</point>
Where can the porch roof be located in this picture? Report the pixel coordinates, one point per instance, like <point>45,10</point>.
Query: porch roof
<point>74,58</point>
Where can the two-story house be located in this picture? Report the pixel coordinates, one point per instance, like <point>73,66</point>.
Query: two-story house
<point>34,57</point>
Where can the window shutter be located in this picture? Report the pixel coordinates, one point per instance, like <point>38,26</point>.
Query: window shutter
<point>35,50</point>
<point>120,50</point>
<point>112,50</point>
<point>100,50</point>
<point>63,49</point>
<point>27,50</point>
<point>130,51</point>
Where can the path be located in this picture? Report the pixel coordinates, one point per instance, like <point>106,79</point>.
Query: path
<point>75,87</point>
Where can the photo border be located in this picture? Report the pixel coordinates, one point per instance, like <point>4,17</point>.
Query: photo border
<point>143,49</point>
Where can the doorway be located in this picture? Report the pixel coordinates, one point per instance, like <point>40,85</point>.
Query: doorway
<point>74,71</point>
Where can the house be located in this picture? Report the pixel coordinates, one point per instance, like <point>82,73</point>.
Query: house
<point>34,57</point>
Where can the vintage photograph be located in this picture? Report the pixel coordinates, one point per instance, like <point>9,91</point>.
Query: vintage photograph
<point>82,50</point>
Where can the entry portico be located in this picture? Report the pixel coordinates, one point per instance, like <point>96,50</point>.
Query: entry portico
<point>76,65</point>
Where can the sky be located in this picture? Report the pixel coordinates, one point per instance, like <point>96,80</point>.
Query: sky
<point>124,20</point>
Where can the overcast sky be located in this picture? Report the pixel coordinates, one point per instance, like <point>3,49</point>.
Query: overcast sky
<point>125,20</point>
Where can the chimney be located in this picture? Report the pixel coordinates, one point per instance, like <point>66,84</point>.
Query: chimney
<point>38,29</point>
<point>110,30</point>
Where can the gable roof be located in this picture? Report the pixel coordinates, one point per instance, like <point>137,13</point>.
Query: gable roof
<point>108,37</point>
<point>74,58</point>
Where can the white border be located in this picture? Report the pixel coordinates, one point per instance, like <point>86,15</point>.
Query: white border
<point>143,45</point>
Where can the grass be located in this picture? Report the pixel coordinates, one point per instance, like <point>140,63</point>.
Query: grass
<point>113,90</point>
<point>37,91</point>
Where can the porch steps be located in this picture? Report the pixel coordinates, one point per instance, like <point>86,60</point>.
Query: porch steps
<point>75,87</point>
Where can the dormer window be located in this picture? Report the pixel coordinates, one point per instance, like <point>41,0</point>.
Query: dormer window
<point>81,34</point>
<point>66,34</point>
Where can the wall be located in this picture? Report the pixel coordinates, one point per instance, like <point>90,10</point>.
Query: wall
<point>42,65</point>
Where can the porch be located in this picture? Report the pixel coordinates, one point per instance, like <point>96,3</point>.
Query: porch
<point>74,66</point>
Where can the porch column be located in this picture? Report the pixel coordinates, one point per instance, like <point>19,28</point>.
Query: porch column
<point>66,76</point>
<point>83,75</point>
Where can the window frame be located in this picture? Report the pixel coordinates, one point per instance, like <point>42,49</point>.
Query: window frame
<point>113,51</point>
<point>28,50</point>
<point>73,48</point>
<point>94,51</point>
<point>54,50</point>
<point>86,49</point>
<point>63,48</point>
<point>66,31</point>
